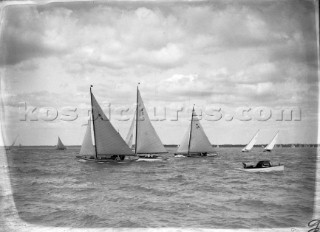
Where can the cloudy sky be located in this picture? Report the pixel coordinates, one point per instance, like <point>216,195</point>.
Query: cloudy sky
<point>217,54</point>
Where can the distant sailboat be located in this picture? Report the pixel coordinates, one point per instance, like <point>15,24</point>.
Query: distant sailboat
<point>195,142</point>
<point>251,143</point>
<point>147,142</point>
<point>60,145</point>
<point>13,143</point>
<point>270,146</point>
<point>109,145</point>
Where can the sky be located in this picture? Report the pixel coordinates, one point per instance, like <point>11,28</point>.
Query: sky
<point>230,56</point>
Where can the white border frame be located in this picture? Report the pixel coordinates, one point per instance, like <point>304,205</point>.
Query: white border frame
<point>9,218</point>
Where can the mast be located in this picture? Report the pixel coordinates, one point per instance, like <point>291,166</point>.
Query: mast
<point>137,114</point>
<point>94,132</point>
<point>190,131</point>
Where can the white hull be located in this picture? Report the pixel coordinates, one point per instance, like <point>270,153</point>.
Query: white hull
<point>267,169</point>
<point>199,155</point>
<point>212,155</point>
<point>150,159</point>
<point>179,156</point>
<point>85,159</point>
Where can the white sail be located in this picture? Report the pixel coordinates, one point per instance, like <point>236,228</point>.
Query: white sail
<point>199,142</point>
<point>147,140</point>
<point>129,137</point>
<point>272,143</point>
<point>251,143</point>
<point>184,145</point>
<point>87,147</point>
<point>107,140</point>
<point>60,144</point>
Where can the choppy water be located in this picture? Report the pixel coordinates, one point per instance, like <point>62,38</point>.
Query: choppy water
<point>51,187</point>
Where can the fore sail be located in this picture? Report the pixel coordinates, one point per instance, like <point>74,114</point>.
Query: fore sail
<point>87,147</point>
<point>60,145</point>
<point>272,143</point>
<point>196,141</point>
<point>129,137</point>
<point>107,140</point>
<point>251,143</point>
<point>147,140</point>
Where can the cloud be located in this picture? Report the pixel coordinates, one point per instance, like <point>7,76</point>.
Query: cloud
<point>226,53</point>
<point>25,36</point>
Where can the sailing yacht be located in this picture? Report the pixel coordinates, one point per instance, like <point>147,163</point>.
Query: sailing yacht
<point>13,145</point>
<point>60,145</point>
<point>251,143</point>
<point>147,141</point>
<point>195,143</point>
<point>270,146</point>
<point>108,143</point>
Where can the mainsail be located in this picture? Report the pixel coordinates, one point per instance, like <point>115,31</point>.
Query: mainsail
<point>60,145</point>
<point>87,147</point>
<point>147,140</point>
<point>270,146</point>
<point>108,141</point>
<point>251,143</point>
<point>129,137</point>
<point>195,140</point>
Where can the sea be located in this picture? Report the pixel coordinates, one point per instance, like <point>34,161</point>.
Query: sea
<point>52,188</point>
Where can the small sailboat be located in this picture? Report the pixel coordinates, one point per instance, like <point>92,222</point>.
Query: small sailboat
<point>263,166</point>
<point>13,145</point>
<point>147,141</point>
<point>251,143</point>
<point>60,145</point>
<point>195,143</point>
<point>270,146</point>
<point>108,143</point>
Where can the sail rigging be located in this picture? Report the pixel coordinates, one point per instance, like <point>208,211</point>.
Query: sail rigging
<point>195,140</point>
<point>270,146</point>
<point>251,143</point>
<point>108,143</point>
<point>107,140</point>
<point>147,140</point>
